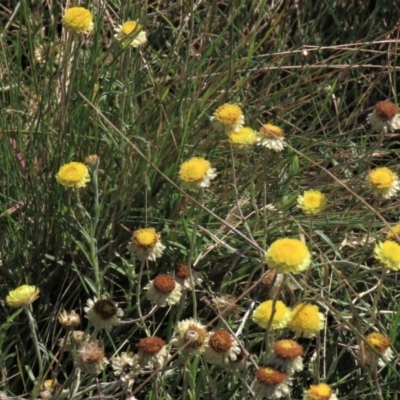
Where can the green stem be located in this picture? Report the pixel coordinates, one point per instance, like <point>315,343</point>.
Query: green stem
<point>192,246</point>
<point>93,229</point>
<point>36,345</point>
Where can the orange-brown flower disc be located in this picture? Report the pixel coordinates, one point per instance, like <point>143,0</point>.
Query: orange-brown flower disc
<point>288,349</point>
<point>386,109</point>
<point>150,345</point>
<point>220,341</point>
<point>270,376</point>
<point>164,283</point>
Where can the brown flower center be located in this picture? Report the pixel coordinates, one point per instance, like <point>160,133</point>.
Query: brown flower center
<point>182,271</point>
<point>270,376</point>
<point>164,283</point>
<point>91,353</point>
<point>287,349</point>
<point>105,308</point>
<point>386,109</point>
<point>221,341</point>
<point>196,336</point>
<point>150,345</point>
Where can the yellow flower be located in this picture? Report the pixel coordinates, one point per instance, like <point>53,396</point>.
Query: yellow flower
<point>245,136</point>
<point>73,175</point>
<point>381,344</point>
<point>383,182</point>
<point>262,315</point>
<point>385,117</point>
<point>22,296</point>
<point>272,137</point>
<point>197,173</point>
<point>288,256</point>
<point>146,244</point>
<point>312,202</point>
<point>394,233</point>
<point>78,20</point>
<point>388,253</point>
<point>228,117</point>
<point>306,320</point>
<point>319,392</point>
<point>131,34</point>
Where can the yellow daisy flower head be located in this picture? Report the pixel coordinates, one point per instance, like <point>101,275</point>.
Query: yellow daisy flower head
<point>78,20</point>
<point>228,117</point>
<point>288,255</point>
<point>130,33</point>
<point>262,315</point>
<point>388,253</point>
<point>319,392</point>
<point>146,244</point>
<point>381,344</point>
<point>312,202</point>
<point>197,173</point>
<point>245,136</point>
<point>383,182</point>
<point>394,233</point>
<point>73,175</point>
<point>306,320</point>
<point>385,117</point>
<point>271,383</point>
<point>22,296</point>
<point>272,137</point>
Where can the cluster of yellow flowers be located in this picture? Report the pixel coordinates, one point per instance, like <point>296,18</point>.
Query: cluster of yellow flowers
<point>284,256</point>
<point>79,20</point>
<point>230,119</point>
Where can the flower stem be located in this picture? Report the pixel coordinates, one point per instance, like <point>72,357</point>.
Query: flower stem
<point>192,246</point>
<point>36,345</point>
<point>93,228</point>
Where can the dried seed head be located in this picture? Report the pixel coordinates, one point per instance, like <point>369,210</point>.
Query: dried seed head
<point>182,271</point>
